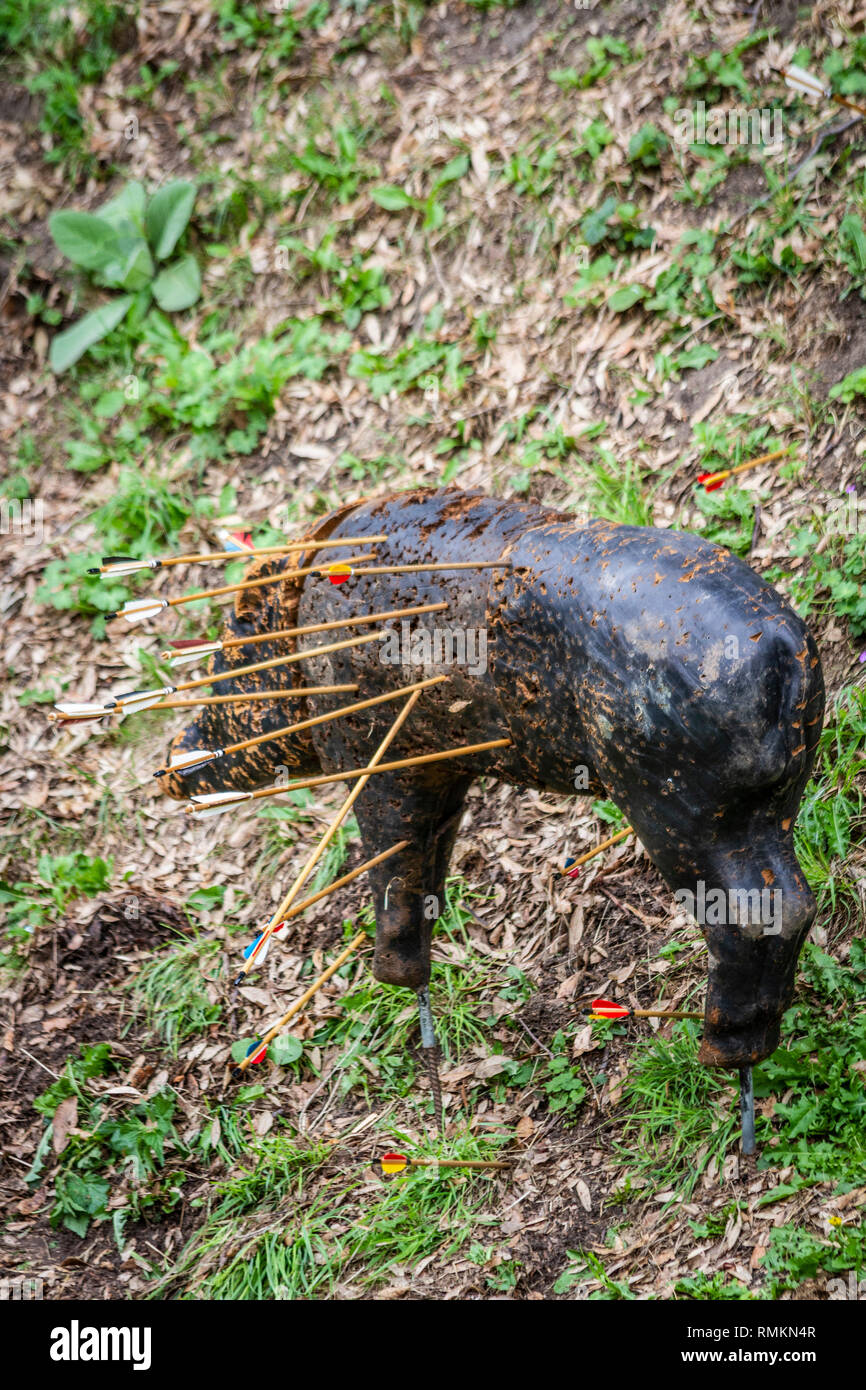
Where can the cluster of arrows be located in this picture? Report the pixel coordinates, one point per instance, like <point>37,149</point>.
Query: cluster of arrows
<point>188,652</point>
<point>185,652</point>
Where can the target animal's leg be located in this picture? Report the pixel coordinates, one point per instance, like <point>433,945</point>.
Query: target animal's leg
<point>409,889</point>
<point>745,888</point>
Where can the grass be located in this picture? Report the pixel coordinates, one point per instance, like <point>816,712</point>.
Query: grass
<point>342,289</point>
<point>271,1233</point>
<point>177,991</point>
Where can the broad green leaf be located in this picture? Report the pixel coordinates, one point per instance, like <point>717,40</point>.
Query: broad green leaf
<point>285,1050</point>
<point>86,240</point>
<point>132,268</point>
<point>178,286</point>
<point>127,207</point>
<point>454,169</point>
<point>391,198</point>
<point>68,346</point>
<point>625,298</point>
<point>167,214</point>
<point>241,1047</point>
<point>110,403</point>
<point>138,269</point>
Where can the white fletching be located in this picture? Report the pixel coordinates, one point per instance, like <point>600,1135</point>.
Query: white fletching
<point>214,803</point>
<point>190,656</point>
<point>72,710</point>
<point>199,755</point>
<point>229,541</point>
<point>142,699</point>
<point>799,80</point>
<point>137,610</point>
<point>129,566</point>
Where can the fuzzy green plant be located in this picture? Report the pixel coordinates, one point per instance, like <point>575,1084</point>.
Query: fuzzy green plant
<point>121,247</point>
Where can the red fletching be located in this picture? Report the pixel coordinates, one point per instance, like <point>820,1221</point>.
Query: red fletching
<point>711,486</point>
<point>180,644</point>
<point>608,1009</point>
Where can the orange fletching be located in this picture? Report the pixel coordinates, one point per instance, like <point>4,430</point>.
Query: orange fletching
<point>606,1008</point>
<point>338,574</point>
<point>394,1163</point>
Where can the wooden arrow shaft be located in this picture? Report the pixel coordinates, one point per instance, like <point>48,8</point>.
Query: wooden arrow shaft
<point>334,714</point>
<point>279,661</point>
<point>322,627</point>
<point>342,813</point>
<point>665,1013</point>
<point>256,583</point>
<point>305,998</point>
<point>298,908</point>
<point>454,1163</point>
<point>371,768</point>
<point>457,565</point>
<point>288,547</point>
<point>290,694</point>
<point>599,849</point>
<point>742,467</point>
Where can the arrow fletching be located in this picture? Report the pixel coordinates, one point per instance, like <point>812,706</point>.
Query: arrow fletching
<point>69,711</point>
<point>712,481</point>
<point>138,700</point>
<point>257,1052</point>
<point>800,80</point>
<point>191,653</point>
<point>214,803</point>
<point>338,573</point>
<point>234,540</point>
<point>115,565</point>
<point>258,949</point>
<point>393,1163</point>
<point>188,762</point>
<point>606,1008</point>
<point>138,610</point>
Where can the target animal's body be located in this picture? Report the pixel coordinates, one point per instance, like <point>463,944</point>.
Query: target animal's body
<point>687,689</point>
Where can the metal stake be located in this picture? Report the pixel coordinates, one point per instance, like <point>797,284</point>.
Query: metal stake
<point>431,1052</point>
<point>747,1109</point>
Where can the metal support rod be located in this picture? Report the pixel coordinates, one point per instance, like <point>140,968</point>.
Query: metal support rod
<point>747,1109</point>
<point>431,1053</point>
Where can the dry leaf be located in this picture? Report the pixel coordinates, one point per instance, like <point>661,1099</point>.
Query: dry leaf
<point>65,1119</point>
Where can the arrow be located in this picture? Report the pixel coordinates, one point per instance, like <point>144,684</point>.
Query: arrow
<point>457,565</point>
<point>572,866</point>
<point>261,1047</point>
<point>290,694</point>
<point>138,700</point>
<point>96,711</point>
<point>369,770</point>
<point>258,949</point>
<point>712,481</point>
<point>800,80</point>
<point>188,650</point>
<point>72,712</point>
<point>200,758</point>
<point>214,803</point>
<point>116,565</point>
<point>389,1165</point>
<point>332,829</point>
<point>136,610</point>
<point>607,1009</point>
